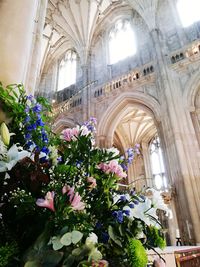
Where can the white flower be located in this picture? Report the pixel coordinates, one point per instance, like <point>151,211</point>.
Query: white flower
<point>3,149</point>
<point>84,130</point>
<point>53,155</point>
<point>158,202</point>
<point>92,239</point>
<point>12,157</point>
<point>113,150</point>
<point>144,211</point>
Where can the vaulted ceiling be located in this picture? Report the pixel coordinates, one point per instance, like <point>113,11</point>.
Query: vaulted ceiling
<point>137,125</point>
<point>72,23</point>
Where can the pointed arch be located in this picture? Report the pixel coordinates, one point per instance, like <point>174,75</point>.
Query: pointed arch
<point>63,123</point>
<point>119,107</point>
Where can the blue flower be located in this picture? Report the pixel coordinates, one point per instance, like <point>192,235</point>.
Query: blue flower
<point>29,128</point>
<point>136,202</point>
<point>127,212</point>
<point>123,198</point>
<point>105,237</point>
<point>37,108</point>
<point>30,97</point>
<point>45,150</point>
<point>39,122</point>
<point>27,119</point>
<point>27,109</point>
<point>98,225</point>
<point>27,136</point>
<point>131,205</point>
<point>118,215</point>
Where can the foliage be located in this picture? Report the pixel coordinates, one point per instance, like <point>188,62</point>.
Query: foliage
<point>154,237</point>
<point>60,195</point>
<point>137,253</point>
<point>7,252</point>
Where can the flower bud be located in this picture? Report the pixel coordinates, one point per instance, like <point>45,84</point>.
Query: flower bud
<point>5,135</point>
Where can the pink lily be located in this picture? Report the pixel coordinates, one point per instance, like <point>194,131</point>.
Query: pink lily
<point>69,190</point>
<point>48,202</point>
<point>76,203</point>
<point>67,134</point>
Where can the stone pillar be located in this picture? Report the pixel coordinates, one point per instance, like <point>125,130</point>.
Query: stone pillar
<point>17,21</point>
<point>147,164</point>
<point>181,151</point>
<point>35,61</point>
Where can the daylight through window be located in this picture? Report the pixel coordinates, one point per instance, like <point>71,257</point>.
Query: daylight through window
<point>67,70</point>
<point>189,11</point>
<point>157,164</point>
<point>121,41</point>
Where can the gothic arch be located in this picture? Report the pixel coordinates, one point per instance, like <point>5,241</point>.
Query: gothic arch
<point>117,109</point>
<point>62,124</point>
<point>191,89</point>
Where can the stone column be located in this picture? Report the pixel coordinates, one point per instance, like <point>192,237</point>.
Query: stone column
<point>35,60</point>
<point>17,21</point>
<point>181,154</point>
<point>147,164</point>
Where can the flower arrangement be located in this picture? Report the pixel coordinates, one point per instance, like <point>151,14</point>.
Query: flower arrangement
<point>60,202</point>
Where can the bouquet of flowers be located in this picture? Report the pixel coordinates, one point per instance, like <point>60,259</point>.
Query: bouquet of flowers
<point>60,200</point>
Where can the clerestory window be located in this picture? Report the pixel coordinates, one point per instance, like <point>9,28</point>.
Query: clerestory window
<point>157,164</point>
<point>189,11</point>
<point>67,70</point>
<point>121,41</point>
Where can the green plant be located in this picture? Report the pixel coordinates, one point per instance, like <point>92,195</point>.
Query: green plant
<point>137,255</point>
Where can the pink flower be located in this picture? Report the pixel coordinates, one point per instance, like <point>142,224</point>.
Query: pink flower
<point>112,167</point>
<point>67,134</point>
<point>75,131</point>
<point>75,199</point>
<point>48,202</point>
<point>101,263</point>
<point>76,203</point>
<point>92,182</point>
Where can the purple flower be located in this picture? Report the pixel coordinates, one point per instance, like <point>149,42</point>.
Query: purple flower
<point>105,237</point>
<point>37,108</point>
<point>30,97</point>
<point>127,212</point>
<point>45,150</point>
<point>27,119</point>
<point>27,136</point>
<point>27,109</point>
<point>39,122</point>
<point>123,198</point>
<point>136,202</point>
<point>118,215</point>
<point>131,205</point>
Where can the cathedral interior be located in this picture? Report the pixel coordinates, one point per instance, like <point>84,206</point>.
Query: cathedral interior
<point>134,65</point>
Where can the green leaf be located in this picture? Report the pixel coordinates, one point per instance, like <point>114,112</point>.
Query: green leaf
<point>56,243</point>
<point>32,264</point>
<point>113,236</point>
<point>76,236</point>
<point>69,261</point>
<point>51,258</point>
<point>66,239</point>
<point>95,255</point>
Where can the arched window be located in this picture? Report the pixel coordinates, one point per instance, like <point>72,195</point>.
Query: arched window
<point>121,41</point>
<point>157,164</point>
<point>188,11</point>
<point>67,70</point>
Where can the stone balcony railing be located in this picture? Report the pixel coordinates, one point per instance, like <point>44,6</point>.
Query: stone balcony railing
<point>184,56</point>
<point>134,78</point>
<point>131,79</point>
